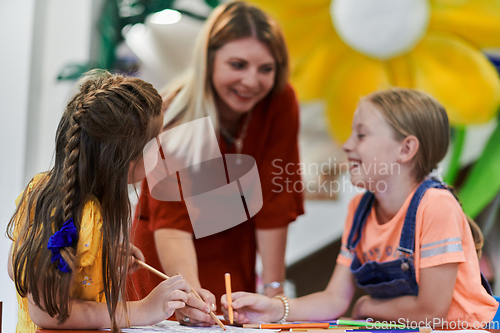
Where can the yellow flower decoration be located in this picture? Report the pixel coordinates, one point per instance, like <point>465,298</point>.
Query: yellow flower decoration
<point>343,49</point>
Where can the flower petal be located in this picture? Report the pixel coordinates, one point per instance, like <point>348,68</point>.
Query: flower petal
<point>400,70</point>
<point>356,76</point>
<point>305,24</point>
<point>310,76</point>
<point>459,76</point>
<point>478,21</point>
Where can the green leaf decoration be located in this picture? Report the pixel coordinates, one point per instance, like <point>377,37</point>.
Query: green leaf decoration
<point>483,182</point>
<point>115,15</point>
<point>212,3</point>
<point>458,136</point>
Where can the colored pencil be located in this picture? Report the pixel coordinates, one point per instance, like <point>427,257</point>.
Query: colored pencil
<point>160,274</point>
<point>229,298</point>
<point>330,329</point>
<point>357,329</point>
<point>378,329</point>
<point>393,330</point>
<point>365,323</point>
<point>319,330</point>
<point>287,326</point>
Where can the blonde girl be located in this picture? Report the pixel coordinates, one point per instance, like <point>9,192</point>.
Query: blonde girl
<point>406,241</point>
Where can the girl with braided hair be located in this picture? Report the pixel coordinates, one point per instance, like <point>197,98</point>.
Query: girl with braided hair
<point>71,227</point>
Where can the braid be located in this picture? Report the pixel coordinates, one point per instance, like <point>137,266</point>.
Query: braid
<point>90,91</point>
<point>70,176</point>
<point>72,152</point>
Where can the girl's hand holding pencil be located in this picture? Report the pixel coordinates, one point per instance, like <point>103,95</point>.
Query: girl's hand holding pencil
<point>186,319</point>
<point>252,308</point>
<point>132,264</point>
<point>168,296</point>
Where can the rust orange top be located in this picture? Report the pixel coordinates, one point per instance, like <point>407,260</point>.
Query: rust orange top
<point>272,140</point>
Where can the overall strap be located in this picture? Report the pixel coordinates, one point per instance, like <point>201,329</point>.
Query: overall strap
<point>407,240</point>
<point>360,216</point>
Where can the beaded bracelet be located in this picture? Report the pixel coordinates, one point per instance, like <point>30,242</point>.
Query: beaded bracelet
<point>286,305</point>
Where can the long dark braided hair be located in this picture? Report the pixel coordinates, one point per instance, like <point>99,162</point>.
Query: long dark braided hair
<point>103,129</point>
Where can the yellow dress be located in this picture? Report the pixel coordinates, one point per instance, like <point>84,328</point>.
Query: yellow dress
<point>87,283</point>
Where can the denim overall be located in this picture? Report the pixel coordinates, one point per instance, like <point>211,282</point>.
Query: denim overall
<point>393,278</point>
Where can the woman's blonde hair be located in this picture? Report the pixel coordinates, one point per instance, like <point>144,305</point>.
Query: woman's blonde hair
<point>191,97</point>
<point>412,112</point>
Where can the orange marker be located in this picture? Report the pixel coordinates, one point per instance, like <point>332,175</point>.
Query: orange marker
<point>229,299</point>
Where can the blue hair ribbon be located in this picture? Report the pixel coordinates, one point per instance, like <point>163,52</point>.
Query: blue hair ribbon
<point>62,238</point>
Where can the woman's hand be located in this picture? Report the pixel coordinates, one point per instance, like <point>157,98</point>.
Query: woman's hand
<point>135,254</point>
<point>168,296</point>
<point>196,311</point>
<point>253,308</point>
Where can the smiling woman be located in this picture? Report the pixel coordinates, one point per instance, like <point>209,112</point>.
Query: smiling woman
<point>238,78</point>
<point>243,74</point>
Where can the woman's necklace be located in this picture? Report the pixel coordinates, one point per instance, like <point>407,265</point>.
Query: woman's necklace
<point>238,142</point>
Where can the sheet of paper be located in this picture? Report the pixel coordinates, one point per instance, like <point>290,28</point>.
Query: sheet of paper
<point>174,327</point>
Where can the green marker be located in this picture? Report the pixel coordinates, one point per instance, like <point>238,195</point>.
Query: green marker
<point>342,322</point>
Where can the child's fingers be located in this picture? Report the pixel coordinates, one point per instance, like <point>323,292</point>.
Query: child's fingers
<point>174,278</point>
<point>174,305</point>
<point>196,303</point>
<point>240,301</point>
<point>181,283</point>
<point>132,265</point>
<point>177,282</point>
<point>174,300</point>
<point>178,295</point>
<point>239,318</point>
<point>171,306</point>
<point>238,294</point>
<point>131,261</point>
<point>137,253</point>
<point>208,297</point>
<point>223,301</point>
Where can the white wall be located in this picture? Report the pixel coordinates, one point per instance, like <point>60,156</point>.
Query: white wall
<point>38,38</point>
<point>16,24</point>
